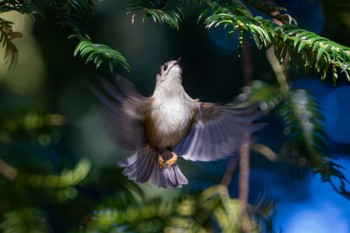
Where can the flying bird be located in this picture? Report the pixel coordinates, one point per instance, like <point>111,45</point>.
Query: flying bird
<point>170,124</point>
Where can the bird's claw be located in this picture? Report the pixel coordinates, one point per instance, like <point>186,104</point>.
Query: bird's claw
<point>161,162</point>
<point>170,162</point>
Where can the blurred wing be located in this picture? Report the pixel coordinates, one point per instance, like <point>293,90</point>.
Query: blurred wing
<point>126,109</point>
<point>217,131</point>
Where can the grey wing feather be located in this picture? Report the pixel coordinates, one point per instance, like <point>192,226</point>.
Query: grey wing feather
<point>173,177</point>
<point>217,131</point>
<point>143,166</point>
<point>126,107</point>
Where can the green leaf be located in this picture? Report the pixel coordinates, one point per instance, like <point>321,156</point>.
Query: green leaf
<point>334,74</point>
<point>237,16</point>
<point>170,12</point>
<point>207,211</point>
<point>99,53</point>
<point>25,220</point>
<point>302,44</point>
<point>346,74</point>
<point>66,179</point>
<point>75,14</point>
<point>267,95</point>
<point>325,71</point>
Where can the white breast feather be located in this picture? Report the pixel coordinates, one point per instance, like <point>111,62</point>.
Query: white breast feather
<point>174,114</point>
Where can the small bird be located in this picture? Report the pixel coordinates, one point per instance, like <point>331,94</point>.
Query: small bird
<point>170,124</point>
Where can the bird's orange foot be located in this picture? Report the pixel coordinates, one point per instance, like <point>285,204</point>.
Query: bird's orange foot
<point>160,162</point>
<point>170,162</point>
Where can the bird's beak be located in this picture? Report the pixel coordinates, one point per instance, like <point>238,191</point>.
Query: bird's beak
<point>178,61</point>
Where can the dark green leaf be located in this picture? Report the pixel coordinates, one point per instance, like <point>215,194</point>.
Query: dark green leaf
<point>170,12</point>
<point>99,53</point>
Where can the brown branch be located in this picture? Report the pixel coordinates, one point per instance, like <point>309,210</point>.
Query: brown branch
<point>244,184</point>
<point>247,62</point>
<point>271,52</point>
<point>229,171</point>
<point>244,169</point>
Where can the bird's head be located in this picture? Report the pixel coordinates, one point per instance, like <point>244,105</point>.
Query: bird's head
<point>170,72</point>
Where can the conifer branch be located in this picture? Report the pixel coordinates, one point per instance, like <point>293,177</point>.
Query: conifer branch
<point>169,12</point>
<point>314,52</point>
<point>75,14</point>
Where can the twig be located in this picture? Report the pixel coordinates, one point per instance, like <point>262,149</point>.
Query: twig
<point>229,171</point>
<point>280,70</point>
<point>244,184</point>
<point>247,62</point>
<point>244,150</point>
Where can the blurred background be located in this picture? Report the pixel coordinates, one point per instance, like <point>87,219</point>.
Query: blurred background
<point>48,81</point>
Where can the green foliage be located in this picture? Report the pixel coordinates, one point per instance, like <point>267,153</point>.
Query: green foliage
<point>66,179</point>
<point>303,126</point>
<point>236,15</point>
<point>169,12</point>
<point>268,96</point>
<point>30,197</point>
<point>210,209</point>
<point>309,49</point>
<point>37,125</point>
<point>75,14</point>
<point>25,7</point>
<point>303,47</point>
<point>300,113</point>
<point>99,53</point>
<point>26,220</point>
<point>71,14</point>
<point>27,213</point>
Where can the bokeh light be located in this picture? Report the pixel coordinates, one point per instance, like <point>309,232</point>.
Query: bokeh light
<point>323,212</point>
<point>28,76</point>
<point>334,104</point>
<point>336,109</point>
<point>222,41</point>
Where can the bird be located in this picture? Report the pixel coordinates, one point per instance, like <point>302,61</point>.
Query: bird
<point>170,124</point>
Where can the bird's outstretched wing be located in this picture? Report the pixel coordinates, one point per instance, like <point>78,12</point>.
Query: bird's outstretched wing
<point>126,109</point>
<point>217,131</point>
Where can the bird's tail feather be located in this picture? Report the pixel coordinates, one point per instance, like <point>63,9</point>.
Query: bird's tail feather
<point>144,166</point>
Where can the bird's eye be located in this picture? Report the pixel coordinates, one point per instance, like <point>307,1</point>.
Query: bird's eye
<point>165,67</point>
